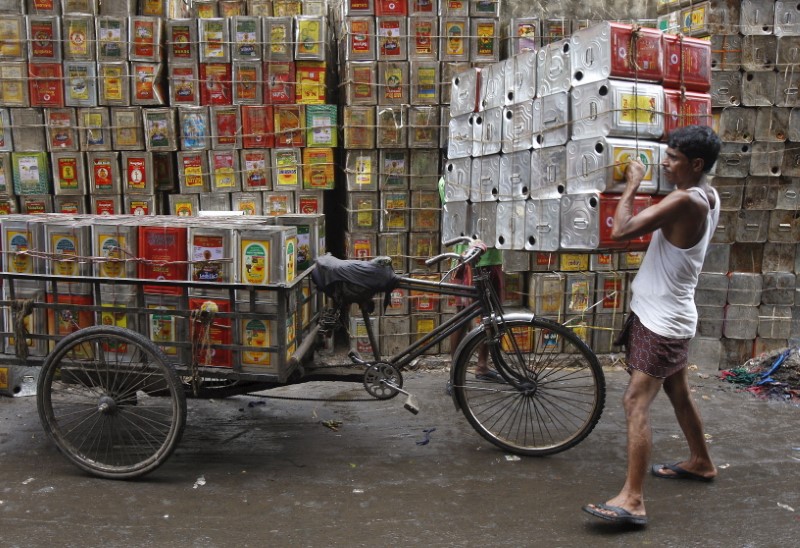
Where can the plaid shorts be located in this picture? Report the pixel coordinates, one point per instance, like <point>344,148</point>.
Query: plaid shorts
<point>651,353</point>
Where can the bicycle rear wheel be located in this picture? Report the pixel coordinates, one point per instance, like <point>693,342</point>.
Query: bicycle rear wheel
<point>549,394</point>
<point>110,401</point>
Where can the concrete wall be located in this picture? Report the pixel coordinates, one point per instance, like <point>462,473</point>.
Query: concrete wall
<point>581,9</point>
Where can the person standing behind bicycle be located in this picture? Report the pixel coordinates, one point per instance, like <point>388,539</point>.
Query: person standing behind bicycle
<point>663,316</point>
<point>492,259</point>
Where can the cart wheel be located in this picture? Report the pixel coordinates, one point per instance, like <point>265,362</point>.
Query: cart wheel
<point>111,402</point>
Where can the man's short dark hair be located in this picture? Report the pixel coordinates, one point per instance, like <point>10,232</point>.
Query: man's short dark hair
<point>696,142</point>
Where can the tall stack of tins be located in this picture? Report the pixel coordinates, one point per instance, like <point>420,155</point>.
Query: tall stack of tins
<point>165,106</point>
<point>397,59</point>
<point>536,154</point>
<point>251,250</point>
<point>755,109</point>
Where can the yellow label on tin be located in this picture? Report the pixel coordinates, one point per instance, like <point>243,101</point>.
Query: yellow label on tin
<point>623,156</point>
<point>637,109</point>
<point>255,261</point>
<point>256,332</point>
<point>4,378</point>
<point>574,262</point>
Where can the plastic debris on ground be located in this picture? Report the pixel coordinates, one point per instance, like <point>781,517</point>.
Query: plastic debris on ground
<point>775,375</point>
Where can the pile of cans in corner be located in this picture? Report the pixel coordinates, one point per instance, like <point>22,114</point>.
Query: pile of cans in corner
<point>93,270</point>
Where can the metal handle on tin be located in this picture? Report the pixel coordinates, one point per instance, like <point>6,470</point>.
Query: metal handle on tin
<point>580,222</point>
<point>585,166</point>
<point>784,226</point>
<point>751,226</point>
<point>592,111</point>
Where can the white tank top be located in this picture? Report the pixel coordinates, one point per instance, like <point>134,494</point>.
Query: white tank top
<point>663,289</point>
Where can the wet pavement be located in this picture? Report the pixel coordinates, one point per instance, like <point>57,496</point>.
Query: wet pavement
<point>272,474</point>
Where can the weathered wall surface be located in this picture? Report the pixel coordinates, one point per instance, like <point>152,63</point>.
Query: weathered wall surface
<point>581,9</point>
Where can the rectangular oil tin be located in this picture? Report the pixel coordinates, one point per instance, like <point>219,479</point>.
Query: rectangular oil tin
<point>69,173</point>
<point>597,164</point>
<point>520,77</point>
<point>542,224</point>
<point>616,108</point>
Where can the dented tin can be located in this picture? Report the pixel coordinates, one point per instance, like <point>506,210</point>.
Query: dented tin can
<point>554,68</point>
<point>772,124</point>
<point>482,221</point>
<point>461,135</point>
<point>518,127</point>
<point>737,125</point>
<point>485,178</point>
<point>787,19</point>
<point>616,50</point>
<point>454,220</point>
<point>510,227</point>
<point>542,224</point>
<point>184,79</point>
<point>726,52</point>
<point>579,221</point>
<point>515,176</point>
<point>767,158</point>
<point>548,172</point>
<point>457,179</point>
<point>487,127</point>
<point>464,92</point>
<point>599,164</point>
<point>617,108</point>
<point>520,77</point>
<point>225,127</point>
<point>551,120</point>
<point>759,52</point>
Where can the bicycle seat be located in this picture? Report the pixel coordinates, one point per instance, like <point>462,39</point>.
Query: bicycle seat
<point>353,281</point>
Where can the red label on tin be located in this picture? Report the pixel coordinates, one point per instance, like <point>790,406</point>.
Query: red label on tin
<point>636,54</point>
<point>686,109</point>
<point>215,84</point>
<point>687,63</point>
<point>163,250</point>
<point>181,42</point>
<point>257,127</point>
<point>608,206</point>
<point>103,180</point>
<point>144,38</point>
<point>43,40</point>
<point>46,84</point>
<point>136,173</point>
<point>279,83</point>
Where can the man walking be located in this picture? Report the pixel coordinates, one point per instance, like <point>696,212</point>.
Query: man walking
<point>663,316</point>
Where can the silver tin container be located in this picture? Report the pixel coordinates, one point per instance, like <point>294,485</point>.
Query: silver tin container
<point>520,76</point>
<point>137,173</point>
<point>726,88</point>
<point>788,195</point>
<point>223,166</point>
<point>757,17</point>
<point>159,129</point>
<point>27,129</point>
<point>726,52</point>
<point>193,172</point>
<point>181,40</point>
<point>256,166</point>
<point>524,35</point>
<point>546,294</point>
<point>423,43</point>
<point>69,173</point>
<point>113,88</point>
<point>741,322</point>
<point>361,86</point>
<point>553,68</point>
<point>485,179</point>
<point>14,84</point>
<point>752,226</point>
<point>717,258</point>
<point>425,83</point>
<point>424,169</point>
<point>579,293</point>
<point>67,245</point>
<point>786,86</point>
<point>394,214</point>
<point>127,130</point>
<point>548,172</point>
<point>775,322</point>
<point>767,158</point>
<point>14,47</point>
<point>245,33</point>
<point>103,173</point>
<point>482,221</point>
<point>542,224</point>
<point>249,203</point>
<point>62,133</point>
<point>487,127</point>
<point>787,52</point>
<point>457,179</point>
<point>580,218</point>
<point>111,38</point>
<point>226,124</point>
<point>758,89</point>
<point>311,37</point>
<point>70,205</point>
<point>783,227</point>
<point>712,289</point>
<point>421,247</point>
<point>515,176</point>
<point>79,34</point>
<point>214,44</point>
<point>510,231</point>
<point>617,108</point>
<point>395,246</point>
<point>551,120</point>
<point>745,288</point>
<point>195,128</point>
<point>731,192</point>
<point>80,83</point>
<point>518,127</point>
<point>598,164</point>
<point>492,88</point>
<point>787,19</point>
<point>184,205</point>
<point>737,124</point>
<point>449,69</point>
<point>105,205</point>
<point>94,128</point>
<point>610,292</point>
<point>464,91</point>
<point>460,136</point>
<point>358,40</point>
<point>454,220</point>
<point>278,35</point>
<point>733,161</point>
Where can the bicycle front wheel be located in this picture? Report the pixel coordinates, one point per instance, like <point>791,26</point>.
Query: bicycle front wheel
<point>110,401</point>
<point>546,394</point>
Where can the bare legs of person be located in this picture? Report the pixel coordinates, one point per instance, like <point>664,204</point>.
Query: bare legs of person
<point>482,368</point>
<point>628,506</point>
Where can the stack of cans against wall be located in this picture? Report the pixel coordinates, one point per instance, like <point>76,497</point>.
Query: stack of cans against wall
<point>748,297</point>
<point>165,106</point>
<point>257,251</point>
<point>397,58</point>
<point>537,149</point>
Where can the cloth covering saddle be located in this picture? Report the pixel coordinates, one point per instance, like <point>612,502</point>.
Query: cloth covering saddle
<point>353,281</point>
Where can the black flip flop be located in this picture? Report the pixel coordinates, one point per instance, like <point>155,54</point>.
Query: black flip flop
<point>490,376</point>
<point>677,473</point>
<point>619,515</point>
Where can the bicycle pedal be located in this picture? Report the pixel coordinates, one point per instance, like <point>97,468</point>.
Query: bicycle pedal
<point>411,404</point>
<point>355,357</point>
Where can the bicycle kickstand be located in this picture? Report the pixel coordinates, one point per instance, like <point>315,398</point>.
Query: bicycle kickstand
<point>411,401</point>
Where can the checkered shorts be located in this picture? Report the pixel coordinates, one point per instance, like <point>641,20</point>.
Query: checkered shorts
<point>651,353</point>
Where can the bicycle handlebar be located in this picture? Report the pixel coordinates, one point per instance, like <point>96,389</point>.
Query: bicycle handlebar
<point>472,254</point>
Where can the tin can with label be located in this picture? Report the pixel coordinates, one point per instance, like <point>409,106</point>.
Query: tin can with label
<point>31,173</point>
<point>687,63</point>
<point>598,164</point>
<point>289,125</point>
<point>579,294</point>
<point>392,128</point>
<point>524,35</point>
<point>482,221</point>
<point>286,169</point>
<point>485,43</point>
<point>165,326</point>
<point>425,211</point>
<point>391,38</point>
<point>393,83</point>
<point>224,171</point>
<point>485,179</point>
<point>247,83</point>
<point>423,126</point>
<point>610,294</point>
<point>14,84</point>
<point>245,33</point>
<point>362,83</point>
<point>220,333</point>
<point>46,29</point>
<point>103,173</point>
<point>193,173</point>
<point>457,179</point>
<point>423,42</point>
<point>321,126</point>
<point>69,205</point>
<point>218,83</point>
<point>461,135</point>
<point>113,86</point>
<point>256,166</point>
<point>115,244</point>
<point>318,169</point>
<point>362,169</point>
<point>454,220</point>
<point>553,68</point>
<point>616,50</point>
<point>94,128</point>
<point>421,247</point>
<point>278,203</point>
<point>145,39</point>
<point>685,109</point>
<point>112,38</point>
<point>278,34</point>
<point>515,176</point>
<point>163,252</point>
<point>27,129</point>
<point>393,170</point>
<point>603,262</point>
<point>184,205</point>
<point>214,45</point>
<point>60,123</point>
<point>311,37</point>
<point>45,84</point>
<point>141,205</point>
<point>6,175</point>
<point>424,169</point>
<point>605,222</point>
<point>79,36</point>
<point>510,228</point>
<point>395,246</point>
<point>106,205</point>
<point>360,38</point>
<point>546,294</point>
<point>69,175</point>
<point>454,38</point>
<point>195,128</point>
<point>181,40</point>
<point>394,215</point>
<point>137,173</point>
<point>487,127</point>
<point>542,224</point>
<point>548,172</point>
<point>359,127</point>
<point>14,46</point>
<point>425,83</point>
<point>309,202</point>
<point>159,129</point>
<point>573,262</point>
<point>360,245</point>
<point>35,204</point>
<point>258,330</point>
<point>210,252</point>
<point>183,83</point>
<point>225,127</point>
<point>69,314</point>
<point>617,108</point>
<point>67,246</point>
<point>580,221</point>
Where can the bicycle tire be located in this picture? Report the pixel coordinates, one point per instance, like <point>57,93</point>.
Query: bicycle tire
<point>111,402</point>
<point>548,405</point>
